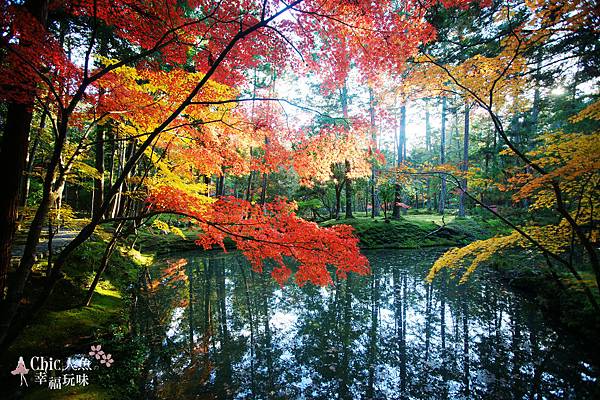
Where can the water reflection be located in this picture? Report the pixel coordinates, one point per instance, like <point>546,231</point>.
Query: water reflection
<point>222,331</point>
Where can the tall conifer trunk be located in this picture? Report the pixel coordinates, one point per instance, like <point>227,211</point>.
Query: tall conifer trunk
<point>401,158</point>
<point>347,166</point>
<point>465,163</point>
<point>442,200</point>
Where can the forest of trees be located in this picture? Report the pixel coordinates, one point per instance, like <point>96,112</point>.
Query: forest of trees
<point>252,121</point>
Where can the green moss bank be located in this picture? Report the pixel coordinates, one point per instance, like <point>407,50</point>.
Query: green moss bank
<point>419,230</point>
<point>65,327</point>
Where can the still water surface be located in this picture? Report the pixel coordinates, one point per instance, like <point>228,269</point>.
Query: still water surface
<point>218,330</point>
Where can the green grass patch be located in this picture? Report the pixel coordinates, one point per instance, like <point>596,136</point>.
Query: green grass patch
<point>64,323</point>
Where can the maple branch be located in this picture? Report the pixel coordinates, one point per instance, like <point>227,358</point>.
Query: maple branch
<point>562,210</point>
<point>88,53</point>
<point>263,12</point>
<point>196,123</point>
<point>275,99</point>
<point>40,74</point>
<point>46,109</point>
<point>339,21</point>
<point>81,145</point>
<point>219,226</point>
<point>504,71</point>
<point>160,44</point>
<point>495,120</point>
<point>88,229</point>
<point>292,45</point>
<point>544,250</point>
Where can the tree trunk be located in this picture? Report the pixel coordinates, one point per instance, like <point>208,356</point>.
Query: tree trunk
<point>263,189</point>
<point>428,151</point>
<point>465,163</point>
<point>442,198</point>
<point>221,185</point>
<point>99,164</point>
<point>401,151</point>
<point>117,198</point>
<point>25,183</point>
<point>338,198</point>
<point>12,165</point>
<point>349,192</point>
<point>103,265</point>
<point>347,166</point>
<point>374,195</point>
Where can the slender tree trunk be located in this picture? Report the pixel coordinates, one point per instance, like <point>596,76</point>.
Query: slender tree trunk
<point>221,185</point>
<point>117,197</point>
<point>263,189</point>
<point>347,166</point>
<point>349,191</point>
<point>265,177</point>
<point>401,153</point>
<point>338,198</point>
<point>442,198</point>
<point>99,164</point>
<point>26,182</point>
<point>465,163</point>
<point>249,186</point>
<point>428,151</point>
<point>103,264</point>
<point>374,194</point>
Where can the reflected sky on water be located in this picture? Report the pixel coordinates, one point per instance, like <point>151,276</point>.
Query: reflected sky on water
<point>219,330</point>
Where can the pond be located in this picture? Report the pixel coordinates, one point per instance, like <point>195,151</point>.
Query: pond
<point>215,329</point>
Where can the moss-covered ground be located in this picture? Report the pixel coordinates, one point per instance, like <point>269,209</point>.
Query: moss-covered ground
<point>65,327</point>
<point>419,230</point>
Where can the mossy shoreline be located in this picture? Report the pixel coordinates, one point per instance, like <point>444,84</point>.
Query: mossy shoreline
<point>65,327</point>
<point>414,231</point>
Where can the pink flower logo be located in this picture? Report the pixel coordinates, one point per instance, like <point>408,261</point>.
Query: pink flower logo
<point>96,352</point>
<point>107,360</point>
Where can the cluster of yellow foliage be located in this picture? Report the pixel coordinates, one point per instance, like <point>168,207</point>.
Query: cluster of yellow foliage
<point>503,76</point>
<point>560,15</point>
<point>479,251</point>
<point>166,228</point>
<point>572,161</point>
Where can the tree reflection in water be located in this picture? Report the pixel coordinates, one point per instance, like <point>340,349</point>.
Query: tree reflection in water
<point>226,332</point>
